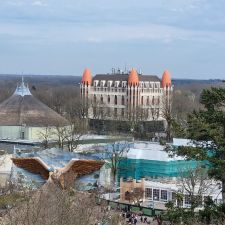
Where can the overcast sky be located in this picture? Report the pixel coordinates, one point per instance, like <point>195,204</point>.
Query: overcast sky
<point>64,36</point>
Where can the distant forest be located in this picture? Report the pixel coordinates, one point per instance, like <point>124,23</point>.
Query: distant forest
<point>61,93</point>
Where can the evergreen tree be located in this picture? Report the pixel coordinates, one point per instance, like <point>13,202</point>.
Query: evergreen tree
<point>206,129</point>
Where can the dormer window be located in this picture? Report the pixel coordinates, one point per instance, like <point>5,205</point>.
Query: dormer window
<point>124,83</point>
<point>96,83</point>
<point>147,84</point>
<point>117,83</point>
<point>109,83</point>
<point>151,85</point>
<point>102,83</point>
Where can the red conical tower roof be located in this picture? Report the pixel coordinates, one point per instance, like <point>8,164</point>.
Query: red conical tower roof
<point>87,78</point>
<point>133,78</point>
<point>166,80</point>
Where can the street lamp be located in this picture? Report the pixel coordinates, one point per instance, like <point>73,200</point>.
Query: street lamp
<point>153,204</point>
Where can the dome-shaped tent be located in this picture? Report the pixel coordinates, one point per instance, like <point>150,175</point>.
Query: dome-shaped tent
<point>22,116</point>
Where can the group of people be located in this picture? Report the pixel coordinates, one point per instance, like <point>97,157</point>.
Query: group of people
<point>132,218</point>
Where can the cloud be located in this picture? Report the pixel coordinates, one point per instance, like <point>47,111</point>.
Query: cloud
<point>38,3</point>
<point>197,26</point>
<point>103,32</point>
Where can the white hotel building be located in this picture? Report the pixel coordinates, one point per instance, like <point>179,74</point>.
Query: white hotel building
<point>126,96</point>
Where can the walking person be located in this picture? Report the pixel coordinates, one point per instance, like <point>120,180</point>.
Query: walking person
<point>145,220</point>
<point>135,220</point>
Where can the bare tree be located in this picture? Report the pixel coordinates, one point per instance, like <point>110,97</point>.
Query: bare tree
<point>167,115</point>
<point>52,206</point>
<point>195,183</point>
<point>61,134</point>
<point>137,196</point>
<point>116,153</point>
<point>45,135</point>
<point>76,129</point>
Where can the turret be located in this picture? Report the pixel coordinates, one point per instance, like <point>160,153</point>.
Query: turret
<point>133,78</point>
<point>166,80</point>
<point>86,78</point>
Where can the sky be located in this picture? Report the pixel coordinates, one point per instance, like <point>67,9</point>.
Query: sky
<point>187,37</point>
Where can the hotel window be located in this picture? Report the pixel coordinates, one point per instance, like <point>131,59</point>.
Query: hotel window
<point>95,99</point>
<point>142,100</point>
<point>115,100</point>
<point>148,193</point>
<point>164,195</point>
<point>108,99</point>
<point>101,99</point>
<point>148,100</point>
<point>123,100</point>
<point>156,194</point>
<point>153,100</point>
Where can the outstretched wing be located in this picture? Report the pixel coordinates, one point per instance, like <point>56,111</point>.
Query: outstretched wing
<point>81,167</point>
<point>33,165</point>
<point>75,168</point>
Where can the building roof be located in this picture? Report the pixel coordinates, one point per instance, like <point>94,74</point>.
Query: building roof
<point>150,151</point>
<point>23,109</point>
<point>124,77</point>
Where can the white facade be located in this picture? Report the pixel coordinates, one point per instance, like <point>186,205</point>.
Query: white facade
<point>164,192</point>
<point>157,193</point>
<point>27,133</point>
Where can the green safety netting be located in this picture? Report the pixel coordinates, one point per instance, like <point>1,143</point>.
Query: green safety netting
<point>139,168</point>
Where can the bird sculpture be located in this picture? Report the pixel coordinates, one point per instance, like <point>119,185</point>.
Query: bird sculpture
<point>64,177</point>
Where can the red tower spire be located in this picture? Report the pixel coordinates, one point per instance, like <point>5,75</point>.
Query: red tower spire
<point>133,78</point>
<point>86,78</point>
<point>166,80</point>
